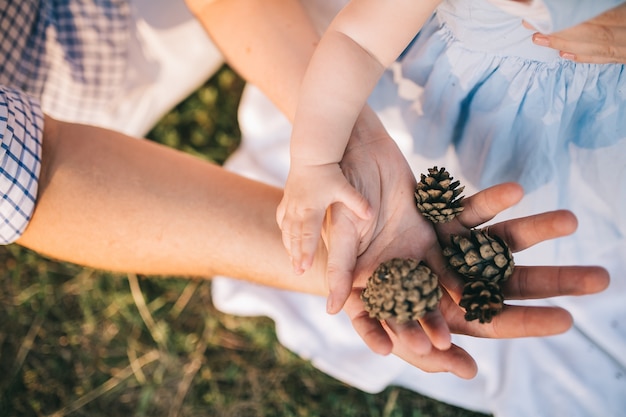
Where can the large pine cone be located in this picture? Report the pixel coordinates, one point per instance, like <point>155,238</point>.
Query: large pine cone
<point>480,256</point>
<point>402,288</point>
<point>482,300</point>
<point>437,196</point>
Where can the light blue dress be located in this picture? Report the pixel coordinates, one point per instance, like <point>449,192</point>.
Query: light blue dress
<point>473,93</point>
<point>510,109</point>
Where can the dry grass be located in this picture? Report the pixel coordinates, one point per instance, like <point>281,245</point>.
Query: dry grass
<point>82,342</point>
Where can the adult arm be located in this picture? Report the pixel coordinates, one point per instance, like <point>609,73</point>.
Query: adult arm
<point>114,202</point>
<point>269,46</point>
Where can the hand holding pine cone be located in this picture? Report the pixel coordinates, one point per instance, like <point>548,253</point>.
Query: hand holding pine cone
<point>407,289</point>
<point>485,262</point>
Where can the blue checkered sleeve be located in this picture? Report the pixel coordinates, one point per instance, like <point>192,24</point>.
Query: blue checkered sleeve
<point>21,132</point>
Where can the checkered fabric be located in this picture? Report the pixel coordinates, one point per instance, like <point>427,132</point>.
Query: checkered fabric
<point>71,54</point>
<point>67,57</point>
<point>20,150</point>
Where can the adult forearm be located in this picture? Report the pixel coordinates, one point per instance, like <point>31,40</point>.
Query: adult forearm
<point>118,203</point>
<point>268,42</point>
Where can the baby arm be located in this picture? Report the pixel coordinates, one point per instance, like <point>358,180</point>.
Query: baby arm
<point>365,37</point>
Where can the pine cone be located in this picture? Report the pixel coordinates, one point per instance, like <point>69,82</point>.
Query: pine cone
<point>437,197</point>
<point>402,288</point>
<point>480,256</point>
<point>482,300</point>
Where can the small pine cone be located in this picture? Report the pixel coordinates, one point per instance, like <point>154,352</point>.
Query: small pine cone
<point>482,300</point>
<point>437,197</point>
<point>402,288</point>
<point>480,256</point>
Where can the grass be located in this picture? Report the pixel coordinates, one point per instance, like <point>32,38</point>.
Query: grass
<point>81,342</point>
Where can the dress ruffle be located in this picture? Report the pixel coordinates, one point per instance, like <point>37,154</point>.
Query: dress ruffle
<point>509,118</point>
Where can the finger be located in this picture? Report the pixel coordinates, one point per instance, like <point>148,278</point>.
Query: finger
<point>454,360</point>
<point>553,281</point>
<point>519,321</point>
<point>524,232</point>
<point>285,234</point>
<point>486,204</point>
<point>287,237</point>
<point>280,212</point>
<point>608,55</point>
<point>302,230</point>
<point>308,239</point>
<point>437,330</point>
<point>295,250</point>
<point>409,334</point>
<point>369,329</point>
<point>342,243</point>
<point>356,202</point>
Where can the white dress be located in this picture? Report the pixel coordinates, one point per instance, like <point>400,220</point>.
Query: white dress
<point>491,107</point>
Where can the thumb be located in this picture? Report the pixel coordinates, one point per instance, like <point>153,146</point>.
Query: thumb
<point>342,241</point>
<point>355,201</point>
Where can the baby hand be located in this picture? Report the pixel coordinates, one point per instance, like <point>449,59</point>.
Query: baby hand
<point>310,190</point>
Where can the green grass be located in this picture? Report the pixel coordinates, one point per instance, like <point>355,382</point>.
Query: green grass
<point>81,342</point>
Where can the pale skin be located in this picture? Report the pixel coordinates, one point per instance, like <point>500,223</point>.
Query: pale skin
<point>271,49</point>
<point>114,202</point>
<point>117,203</point>
<point>360,43</point>
<point>363,40</point>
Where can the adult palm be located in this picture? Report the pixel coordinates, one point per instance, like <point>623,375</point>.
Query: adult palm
<point>376,167</point>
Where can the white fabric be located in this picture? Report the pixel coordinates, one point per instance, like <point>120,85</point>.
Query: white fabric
<point>583,368</point>
<point>170,55</point>
<point>533,11</point>
<point>580,373</point>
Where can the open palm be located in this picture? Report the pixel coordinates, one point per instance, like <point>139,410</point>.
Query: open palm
<point>376,167</point>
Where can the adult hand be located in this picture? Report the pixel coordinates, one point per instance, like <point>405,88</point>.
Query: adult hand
<point>601,40</point>
<point>525,283</point>
<point>378,169</point>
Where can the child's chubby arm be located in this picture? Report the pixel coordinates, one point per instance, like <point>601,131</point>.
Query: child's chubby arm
<point>364,38</point>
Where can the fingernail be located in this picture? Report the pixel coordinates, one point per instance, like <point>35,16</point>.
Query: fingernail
<point>541,40</point>
<point>568,55</point>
